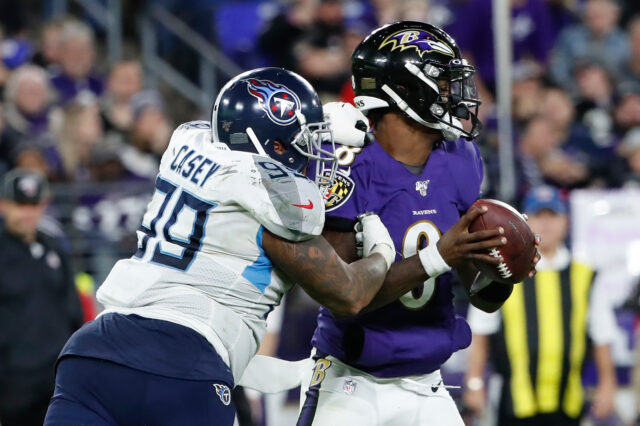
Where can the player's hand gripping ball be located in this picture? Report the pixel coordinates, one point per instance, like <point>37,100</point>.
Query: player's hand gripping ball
<point>517,255</point>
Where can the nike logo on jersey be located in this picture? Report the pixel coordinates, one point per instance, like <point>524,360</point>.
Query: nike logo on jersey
<point>309,205</point>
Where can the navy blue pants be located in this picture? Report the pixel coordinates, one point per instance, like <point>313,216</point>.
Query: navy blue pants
<point>95,392</point>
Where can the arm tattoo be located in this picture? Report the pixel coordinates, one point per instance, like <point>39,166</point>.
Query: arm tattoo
<point>403,276</point>
<point>315,265</point>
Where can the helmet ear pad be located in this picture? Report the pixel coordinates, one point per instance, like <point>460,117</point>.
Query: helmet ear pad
<point>284,154</point>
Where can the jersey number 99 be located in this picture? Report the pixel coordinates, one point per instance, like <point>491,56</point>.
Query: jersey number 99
<point>160,226</point>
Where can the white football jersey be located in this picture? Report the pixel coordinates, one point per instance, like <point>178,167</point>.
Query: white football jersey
<point>200,261</point>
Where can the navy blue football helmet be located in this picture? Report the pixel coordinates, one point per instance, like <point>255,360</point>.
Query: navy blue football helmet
<point>417,68</point>
<point>265,105</point>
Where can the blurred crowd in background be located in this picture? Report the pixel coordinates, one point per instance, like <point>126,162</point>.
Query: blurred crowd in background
<point>86,123</point>
<point>576,81</point>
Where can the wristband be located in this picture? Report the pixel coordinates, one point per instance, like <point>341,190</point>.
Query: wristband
<point>432,261</point>
<point>387,252</point>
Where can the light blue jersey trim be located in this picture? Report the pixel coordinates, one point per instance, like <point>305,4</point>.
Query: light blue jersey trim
<point>259,272</point>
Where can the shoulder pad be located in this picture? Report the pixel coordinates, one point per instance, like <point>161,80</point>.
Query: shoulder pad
<point>283,201</point>
<point>197,124</point>
<point>192,128</point>
<point>347,155</point>
<point>461,147</point>
<point>467,170</point>
<point>194,134</point>
<point>355,167</point>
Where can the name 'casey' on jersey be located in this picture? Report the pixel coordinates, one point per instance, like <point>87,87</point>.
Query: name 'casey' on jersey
<point>417,210</point>
<point>200,261</point>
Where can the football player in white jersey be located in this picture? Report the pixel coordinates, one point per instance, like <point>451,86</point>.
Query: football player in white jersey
<point>232,225</point>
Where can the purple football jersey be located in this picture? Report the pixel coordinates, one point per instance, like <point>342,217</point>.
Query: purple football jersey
<point>418,332</point>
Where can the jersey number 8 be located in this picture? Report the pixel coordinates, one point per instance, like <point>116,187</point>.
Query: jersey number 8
<point>418,236</point>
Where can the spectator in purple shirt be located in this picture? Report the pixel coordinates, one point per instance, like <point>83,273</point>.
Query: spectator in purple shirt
<point>531,39</point>
<point>597,37</point>
<point>32,120</point>
<point>14,154</point>
<point>77,55</point>
<point>28,98</point>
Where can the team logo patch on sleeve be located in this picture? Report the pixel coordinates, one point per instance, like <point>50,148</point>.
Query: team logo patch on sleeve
<point>224,393</point>
<point>339,193</point>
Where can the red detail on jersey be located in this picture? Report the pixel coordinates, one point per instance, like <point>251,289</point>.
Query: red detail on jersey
<point>309,205</point>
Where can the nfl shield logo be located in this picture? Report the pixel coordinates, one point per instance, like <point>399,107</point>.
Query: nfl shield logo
<point>421,186</point>
<point>349,386</point>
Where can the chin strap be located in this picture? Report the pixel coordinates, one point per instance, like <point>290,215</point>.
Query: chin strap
<point>256,143</point>
<point>448,132</point>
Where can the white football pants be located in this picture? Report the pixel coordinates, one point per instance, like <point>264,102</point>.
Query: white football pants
<point>345,396</point>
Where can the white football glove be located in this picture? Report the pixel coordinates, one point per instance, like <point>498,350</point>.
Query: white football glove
<point>373,237</point>
<point>349,126</point>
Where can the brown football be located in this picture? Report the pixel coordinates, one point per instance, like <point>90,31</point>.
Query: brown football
<point>520,249</point>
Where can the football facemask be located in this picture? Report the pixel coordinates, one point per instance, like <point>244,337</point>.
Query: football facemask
<point>308,142</point>
<point>457,98</point>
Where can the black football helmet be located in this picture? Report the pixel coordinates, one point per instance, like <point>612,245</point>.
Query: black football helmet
<point>265,105</point>
<point>417,68</point>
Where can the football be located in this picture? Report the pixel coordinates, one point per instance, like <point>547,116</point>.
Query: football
<point>520,249</point>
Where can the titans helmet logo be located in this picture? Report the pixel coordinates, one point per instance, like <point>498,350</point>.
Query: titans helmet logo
<point>420,40</point>
<point>277,100</point>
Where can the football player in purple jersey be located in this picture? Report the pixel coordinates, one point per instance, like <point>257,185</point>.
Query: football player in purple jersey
<point>420,176</point>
